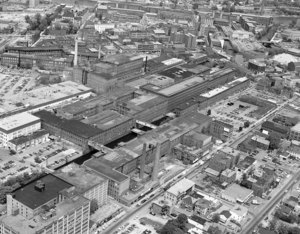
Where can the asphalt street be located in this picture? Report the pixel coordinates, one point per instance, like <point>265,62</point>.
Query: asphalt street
<point>270,204</point>
<point>242,135</point>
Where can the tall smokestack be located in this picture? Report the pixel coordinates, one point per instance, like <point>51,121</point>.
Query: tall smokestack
<point>146,63</point>
<point>99,52</point>
<point>76,53</point>
<point>156,163</point>
<point>142,161</point>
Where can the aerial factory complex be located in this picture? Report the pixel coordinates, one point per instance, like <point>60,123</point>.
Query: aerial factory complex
<point>150,117</point>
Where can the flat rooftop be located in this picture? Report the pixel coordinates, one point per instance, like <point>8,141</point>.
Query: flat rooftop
<point>43,95</point>
<point>237,192</point>
<point>177,73</point>
<point>80,177</point>
<point>296,128</point>
<point>23,139</point>
<point>33,199</point>
<point>119,59</point>
<point>184,85</point>
<point>31,226</point>
<point>146,101</point>
<point>97,165</point>
<point>167,132</point>
<point>181,186</point>
<point>18,121</point>
<point>69,125</point>
<point>106,119</point>
<point>221,89</point>
<point>80,106</point>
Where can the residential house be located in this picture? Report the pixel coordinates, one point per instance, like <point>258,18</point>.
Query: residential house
<point>238,213</point>
<point>202,206</point>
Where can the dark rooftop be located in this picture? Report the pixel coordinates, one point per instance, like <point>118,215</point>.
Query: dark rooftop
<point>224,124</point>
<point>23,139</point>
<point>222,72</point>
<point>73,126</point>
<point>226,213</point>
<point>247,162</point>
<point>198,219</point>
<point>177,73</point>
<point>33,199</point>
<point>104,170</point>
<point>275,127</point>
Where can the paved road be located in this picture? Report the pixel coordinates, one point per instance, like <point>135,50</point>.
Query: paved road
<point>244,135</point>
<point>129,216</point>
<point>270,205</point>
<point>189,171</point>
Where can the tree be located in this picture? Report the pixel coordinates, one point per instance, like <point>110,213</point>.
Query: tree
<point>36,36</point>
<point>93,206</point>
<point>43,24</point>
<point>274,141</point>
<point>282,229</point>
<point>240,129</point>
<point>182,221</point>
<point>294,230</point>
<point>215,218</point>
<point>57,27</point>
<point>176,226</point>
<point>273,224</point>
<point>38,18</point>
<point>171,228</point>
<point>37,159</point>
<point>246,124</point>
<point>168,228</point>
<point>209,112</point>
<point>27,19</point>
<point>3,192</point>
<point>214,230</point>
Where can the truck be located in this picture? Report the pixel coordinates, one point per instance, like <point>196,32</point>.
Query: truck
<point>255,202</point>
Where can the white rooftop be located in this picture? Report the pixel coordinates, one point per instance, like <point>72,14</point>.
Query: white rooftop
<point>285,58</point>
<point>159,31</point>
<point>260,139</point>
<point>18,120</point>
<point>143,98</point>
<point>172,61</point>
<point>43,94</point>
<point>214,92</point>
<point>218,90</point>
<point>296,128</point>
<point>239,210</point>
<point>181,86</point>
<point>180,187</point>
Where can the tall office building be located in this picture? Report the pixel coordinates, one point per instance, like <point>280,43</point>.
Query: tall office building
<point>49,205</point>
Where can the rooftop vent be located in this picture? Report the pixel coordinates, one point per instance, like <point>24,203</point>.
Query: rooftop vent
<point>39,186</point>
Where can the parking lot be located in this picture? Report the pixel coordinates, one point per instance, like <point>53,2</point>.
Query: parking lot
<point>235,113</point>
<point>14,82</point>
<point>143,225</point>
<point>51,153</point>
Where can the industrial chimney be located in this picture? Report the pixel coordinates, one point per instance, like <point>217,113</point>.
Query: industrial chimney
<point>156,163</point>
<point>76,53</point>
<point>142,161</point>
<point>99,52</point>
